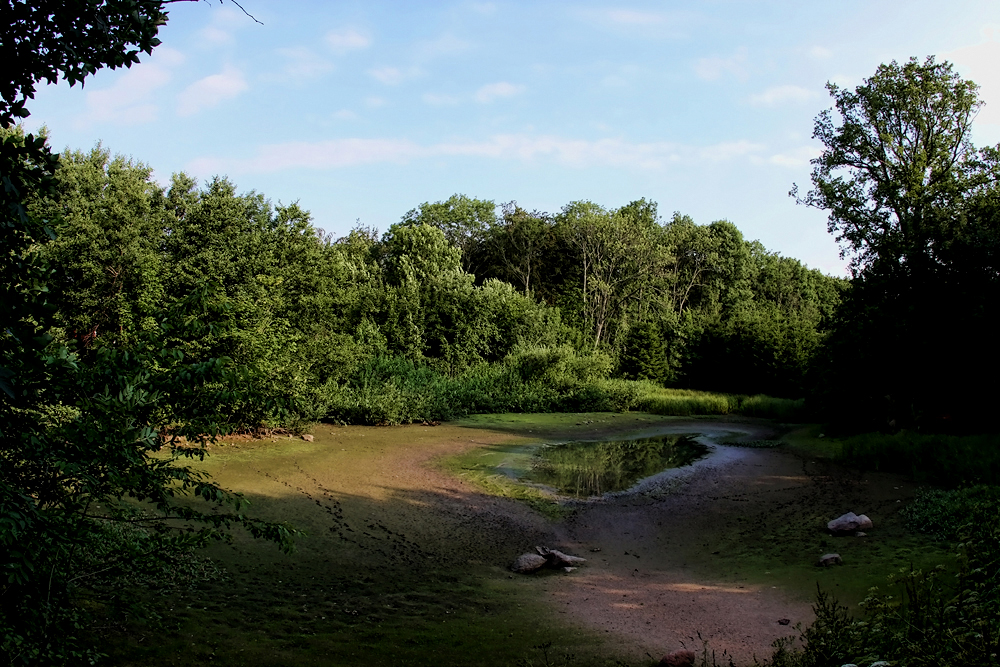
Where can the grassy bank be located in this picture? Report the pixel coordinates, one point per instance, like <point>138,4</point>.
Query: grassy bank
<point>390,391</point>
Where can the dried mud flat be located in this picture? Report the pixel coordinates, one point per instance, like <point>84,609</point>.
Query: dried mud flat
<point>665,562</point>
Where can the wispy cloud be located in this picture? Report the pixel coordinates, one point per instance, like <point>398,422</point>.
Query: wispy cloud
<point>577,153</point>
<point>211,91</point>
<point>346,40</point>
<point>820,53</point>
<point>303,63</point>
<point>495,91</point>
<point>779,95</point>
<point>445,45</point>
<point>979,63</point>
<point>714,67</point>
<point>438,100</point>
<point>670,24</point>
<point>223,26</point>
<point>130,99</point>
<point>633,17</point>
<point>796,157</point>
<point>392,76</point>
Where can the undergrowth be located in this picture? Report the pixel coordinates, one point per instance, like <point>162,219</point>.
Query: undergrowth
<point>946,616</point>
<point>398,391</point>
<point>947,460</point>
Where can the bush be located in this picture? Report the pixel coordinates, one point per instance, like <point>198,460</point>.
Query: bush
<point>933,619</point>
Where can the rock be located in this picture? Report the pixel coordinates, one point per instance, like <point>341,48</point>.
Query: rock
<point>866,523</point>
<point>568,569</point>
<point>845,524</point>
<point>528,563</point>
<point>682,658</point>
<point>860,534</point>
<point>826,560</point>
<point>558,558</point>
<point>784,621</point>
<point>308,438</point>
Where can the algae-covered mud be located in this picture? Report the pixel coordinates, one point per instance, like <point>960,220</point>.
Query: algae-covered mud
<point>406,552</point>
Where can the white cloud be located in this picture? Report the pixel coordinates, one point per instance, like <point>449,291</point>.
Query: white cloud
<point>345,114</point>
<point>436,100</point>
<point>392,76</point>
<point>575,153</point>
<point>130,99</point>
<point>375,102</point>
<point>632,17</point>
<point>445,45</point>
<point>387,75</point>
<point>302,63</point>
<point>778,95</point>
<point>494,91</point>
<point>350,39</point>
<point>795,158</point>
<point>979,63</point>
<point>820,53</point>
<point>486,8</point>
<point>211,91</point>
<point>222,29</point>
<point>714,67</point>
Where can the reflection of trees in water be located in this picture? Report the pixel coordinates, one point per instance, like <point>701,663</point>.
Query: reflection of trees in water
<point>585,469</point>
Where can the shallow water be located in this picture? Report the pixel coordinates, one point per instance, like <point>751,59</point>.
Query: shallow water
<point>586,469</point>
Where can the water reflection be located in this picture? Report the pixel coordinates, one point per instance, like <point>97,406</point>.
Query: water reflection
<point>584,469</point>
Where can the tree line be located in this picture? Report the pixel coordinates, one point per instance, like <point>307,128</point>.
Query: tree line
<point>453,286</point>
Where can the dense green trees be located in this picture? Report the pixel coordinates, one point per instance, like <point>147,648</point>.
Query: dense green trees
<point>915,207</point>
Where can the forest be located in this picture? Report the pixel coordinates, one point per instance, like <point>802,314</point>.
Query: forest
<point>142,321</point>
<point>455,309</point>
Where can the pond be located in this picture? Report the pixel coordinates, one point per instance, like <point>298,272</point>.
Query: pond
<point>579,469</point>
<point>585,469</point>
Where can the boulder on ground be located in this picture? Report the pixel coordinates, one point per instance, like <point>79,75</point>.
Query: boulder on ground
<point>845,524</point>
<point>681,658</point>
<point>308,438</point>
<point>826,560</point>
<point>559,559</point>
<point>528,563</point>
<point>866,523</point>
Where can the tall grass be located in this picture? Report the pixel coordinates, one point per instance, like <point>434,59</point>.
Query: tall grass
<point>398,391</point>
<point>948,460</point>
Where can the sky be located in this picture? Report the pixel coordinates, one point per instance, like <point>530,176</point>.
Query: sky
<point>361,111</point>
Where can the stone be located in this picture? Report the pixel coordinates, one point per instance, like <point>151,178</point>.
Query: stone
<point>826,560</point>
<point>860,533</point>
<point>866,523</point>
<point>681,658</point>
<point>528,563</point>
<point>558,558</point>
<point>784,621</point>
<point>308,438</point>
<point>845,524</point>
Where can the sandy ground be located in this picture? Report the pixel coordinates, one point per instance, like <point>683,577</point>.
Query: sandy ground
<point>383,495</point>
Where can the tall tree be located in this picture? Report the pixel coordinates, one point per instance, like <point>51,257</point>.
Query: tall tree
<point>907,197</point>
<point>897,162</point>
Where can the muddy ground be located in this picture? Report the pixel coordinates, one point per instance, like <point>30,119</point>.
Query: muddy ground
<point>404,560</point>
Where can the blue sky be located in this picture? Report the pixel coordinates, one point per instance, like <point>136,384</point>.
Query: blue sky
<point>363,110</point>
